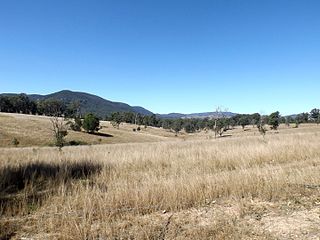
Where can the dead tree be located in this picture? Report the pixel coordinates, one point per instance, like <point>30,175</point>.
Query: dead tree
<point>219,127</point>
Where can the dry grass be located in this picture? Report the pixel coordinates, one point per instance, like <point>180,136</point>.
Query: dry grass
<point>36,131</point>
<point>240,187</point>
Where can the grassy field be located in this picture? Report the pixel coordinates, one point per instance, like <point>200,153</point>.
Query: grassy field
<point>36,131</point>
<point>152,185</point>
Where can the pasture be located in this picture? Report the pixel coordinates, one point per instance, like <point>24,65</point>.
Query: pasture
<point>152,185</point>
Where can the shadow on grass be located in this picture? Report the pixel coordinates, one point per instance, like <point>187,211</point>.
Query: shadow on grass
<point>14,179</point>
<point>30,184</point>
<point>102,134</point>
<point>225,135</point>
<point>8,231</point>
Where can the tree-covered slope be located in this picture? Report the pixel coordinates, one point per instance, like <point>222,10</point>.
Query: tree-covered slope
<point>90,103</point>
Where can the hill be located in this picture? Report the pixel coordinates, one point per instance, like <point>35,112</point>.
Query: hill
<point>32,130</point>
<point>89,103</point>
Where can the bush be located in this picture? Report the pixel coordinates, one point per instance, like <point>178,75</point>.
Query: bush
<point>60,138</point>
<point>274,120</point>
<point>91,123</point>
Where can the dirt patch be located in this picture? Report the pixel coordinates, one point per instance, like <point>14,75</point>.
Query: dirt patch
<point>296,225</point>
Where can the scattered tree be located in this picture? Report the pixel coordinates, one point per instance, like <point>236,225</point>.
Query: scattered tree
<point>301,118</point>
<point>91,123</point>
<point>274,120</point>
<point>261,126</point>
<point>59,130</point>
<point>177,126</point>
<point>244,121</point>
<point>220,126</point>
<point>255,118</point>
<point>116,119</point>
<point>315,115</point>
<point>220,123</point>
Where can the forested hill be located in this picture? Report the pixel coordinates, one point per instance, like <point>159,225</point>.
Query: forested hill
<point>90,103</point>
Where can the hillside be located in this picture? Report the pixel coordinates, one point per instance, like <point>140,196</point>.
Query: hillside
<point>31,130</point>
<point>89,102</point>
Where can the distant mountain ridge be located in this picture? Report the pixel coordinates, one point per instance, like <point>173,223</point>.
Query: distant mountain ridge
<point>89,103</point>
<point>198,115</point>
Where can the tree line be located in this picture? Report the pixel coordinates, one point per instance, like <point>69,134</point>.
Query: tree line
<point>54,108</point>
<point>50,107</point>
<point>219,125</point>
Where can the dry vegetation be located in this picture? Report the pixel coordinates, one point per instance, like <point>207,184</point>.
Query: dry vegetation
<point>36,131</point>
<point>195,187</point>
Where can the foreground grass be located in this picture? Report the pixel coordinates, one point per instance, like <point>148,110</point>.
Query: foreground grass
<point>230,188</point>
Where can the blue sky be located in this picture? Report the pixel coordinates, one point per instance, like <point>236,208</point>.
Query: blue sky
<point>166,55</point>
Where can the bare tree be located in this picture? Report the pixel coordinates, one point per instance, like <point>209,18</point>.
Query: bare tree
<point>59,130</point>
<point>219,121</point>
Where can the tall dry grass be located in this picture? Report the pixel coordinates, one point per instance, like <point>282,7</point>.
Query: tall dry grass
<point>135,183</point>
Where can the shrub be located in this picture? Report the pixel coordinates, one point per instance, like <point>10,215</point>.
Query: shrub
<point>91,123</point>
<point>60,138</point>
<point>274,120</point>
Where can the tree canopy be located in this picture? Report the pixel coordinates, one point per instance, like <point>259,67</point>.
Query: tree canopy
<point>91,123</point>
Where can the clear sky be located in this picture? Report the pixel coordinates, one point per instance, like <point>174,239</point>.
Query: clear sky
<point>166,55</point>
